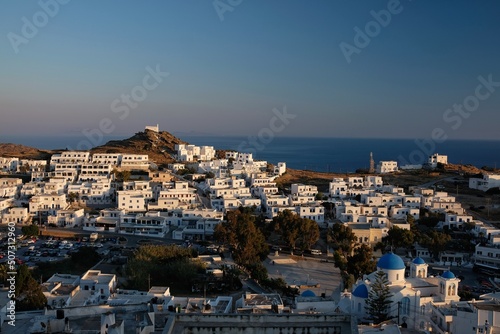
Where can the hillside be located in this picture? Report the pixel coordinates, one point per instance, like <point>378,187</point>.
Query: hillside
<point>159,146</point>
<point>24,152</point>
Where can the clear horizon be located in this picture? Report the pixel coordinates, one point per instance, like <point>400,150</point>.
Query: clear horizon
<point>373,69</point>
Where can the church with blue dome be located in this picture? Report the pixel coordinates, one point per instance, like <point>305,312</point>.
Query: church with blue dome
<point>413,291</point>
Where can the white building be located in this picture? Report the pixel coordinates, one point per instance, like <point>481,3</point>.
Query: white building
<point>31,165</point>
<point>16,215</point>
<point>135,162</point>
<point>339,188</point>
<point>8,165</point>
<point>5,204</point>
<point>374,182</point>
<point>134,200</point>
<point>32,188</point>
<point>314,212</point>
<point>191,153</point>
<point>69,157</point>
<point>150,224</point>
<point>113,159</point>
<point>154,128</point>
<point>280,168</point>
<point>67,218</point>
<point>472,317</point>
<point>436,159</point>
<point>10,187</point>
<point>108,220</point>
<point>260,303</point>
<point>196,229</point>
<point>95,171</point>
<point>486,183</point>
<point>303,189</point>
<point>101,285</point>
<point>59,289</point>
<point>68,175</point>
<point>455,221</point>
<point>401,212</point>
<point>487,255</point>
<point>177,191</point>
<point>56,186</point>
<point>384,167</point>
<point>414,299</point>
<point>48,203</point>
<point>176,167</point>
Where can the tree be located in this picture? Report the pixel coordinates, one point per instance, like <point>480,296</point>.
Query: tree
<point>430,219</point>
<point>329,206</point>
<point>122,176</point>
<point>163,265</point>
<point>435,242</point>
<point>287,223</point>
<point>379,298</point>
<point>246,240</point>
<point>258,272</point>
<point>72,197</point>
<point>320,196</point>
<point>24,169</point>
<point>399,237</point>
<point>340,236</point>
<point>29,295</point>
<point>361,262</point>
<point>85,257</point>
<point>309,233</point>
<point>30,230</point>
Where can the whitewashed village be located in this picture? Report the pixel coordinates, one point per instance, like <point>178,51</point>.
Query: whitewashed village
<point>110,197</point>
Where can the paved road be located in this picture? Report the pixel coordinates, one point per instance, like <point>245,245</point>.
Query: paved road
<point>433,182</point>
<point>132,239</point>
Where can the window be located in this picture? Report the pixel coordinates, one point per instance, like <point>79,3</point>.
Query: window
<point>405,305</point>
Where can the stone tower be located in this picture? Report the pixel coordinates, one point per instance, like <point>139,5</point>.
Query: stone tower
<point>372,164</point>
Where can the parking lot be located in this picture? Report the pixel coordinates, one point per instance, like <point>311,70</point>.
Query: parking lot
<point>306,273</point>
<point>34,250</point>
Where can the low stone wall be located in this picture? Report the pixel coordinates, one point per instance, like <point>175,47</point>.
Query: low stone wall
<point>260,323</point>
<point>64,234</point>
<point>88,311</point>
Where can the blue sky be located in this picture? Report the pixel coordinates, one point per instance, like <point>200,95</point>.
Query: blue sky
<point>226,76</point>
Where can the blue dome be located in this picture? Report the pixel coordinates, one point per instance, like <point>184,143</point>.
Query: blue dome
<point>361,291</point>
<point>391,261</point>
<point>308,293</point>
<point>448,275</point>
<point>419,260</point>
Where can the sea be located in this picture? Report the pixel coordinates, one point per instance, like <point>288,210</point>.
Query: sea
<point>342,155</point>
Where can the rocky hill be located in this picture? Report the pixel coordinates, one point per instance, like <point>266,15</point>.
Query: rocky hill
<point>24,152</point>
<point>160,147</point>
